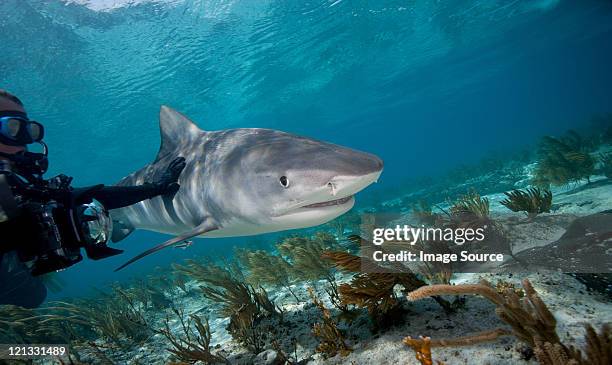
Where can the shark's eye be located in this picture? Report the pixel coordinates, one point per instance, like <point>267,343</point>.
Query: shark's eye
<point>284,181</point>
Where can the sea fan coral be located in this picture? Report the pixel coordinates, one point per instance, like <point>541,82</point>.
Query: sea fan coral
<point>422,349</point>
<point>533,201</point>
<point>531,322</point>
<point>529,319</point>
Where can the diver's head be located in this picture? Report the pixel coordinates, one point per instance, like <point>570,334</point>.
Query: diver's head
<point>16,129</point>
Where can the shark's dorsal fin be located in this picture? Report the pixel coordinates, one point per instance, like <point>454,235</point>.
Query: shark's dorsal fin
<point>176,130</point>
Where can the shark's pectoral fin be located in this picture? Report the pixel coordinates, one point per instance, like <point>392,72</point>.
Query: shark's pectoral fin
<point>121,230</point>
<point>206,226</point>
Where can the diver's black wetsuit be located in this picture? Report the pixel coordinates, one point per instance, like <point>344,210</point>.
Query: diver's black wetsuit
<point>113,197</point>
<point>17,286</point>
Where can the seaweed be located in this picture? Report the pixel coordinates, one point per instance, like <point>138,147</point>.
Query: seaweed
<point>192,346</point>
<point>304,255</point>
<point>112,318</point>
<point>306,259</point>
<point>115,317</point>
<point>562,161</point>
<point>533,201</point>
<point>470,207</point>
<point>605,162</point>
<point>267,269</point>
<point>23,325</point>
<point>149,294</point>
<point>117,320</point>
<point>284,357</point>
<point>243,304</point>
<point>375,292</point>
<point>332,341</point>
<point>372,291</point>
<point>180,282</point>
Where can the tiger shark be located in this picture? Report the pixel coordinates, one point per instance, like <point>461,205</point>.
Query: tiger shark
<point>244,181</point>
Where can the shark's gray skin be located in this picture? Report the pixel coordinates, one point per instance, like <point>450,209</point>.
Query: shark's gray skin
<point>246,181</point>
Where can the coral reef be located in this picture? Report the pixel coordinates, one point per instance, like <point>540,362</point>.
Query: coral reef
<point>533,201</point>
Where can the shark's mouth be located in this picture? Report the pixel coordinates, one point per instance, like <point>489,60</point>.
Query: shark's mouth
<point>329,203</point>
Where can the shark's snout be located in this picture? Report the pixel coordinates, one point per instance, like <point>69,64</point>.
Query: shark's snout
<point>356,163</point>
<point>361,170</point>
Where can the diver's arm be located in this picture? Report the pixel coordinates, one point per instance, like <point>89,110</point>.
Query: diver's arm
<point>113,197</point>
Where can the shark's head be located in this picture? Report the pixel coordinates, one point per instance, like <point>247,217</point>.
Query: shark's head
<point>288,181</point>
<point>263,180</point>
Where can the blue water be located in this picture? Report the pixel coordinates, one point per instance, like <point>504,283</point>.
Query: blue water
<point>425,85</point>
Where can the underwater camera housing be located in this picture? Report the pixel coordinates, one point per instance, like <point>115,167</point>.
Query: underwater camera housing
<point>57,231</point>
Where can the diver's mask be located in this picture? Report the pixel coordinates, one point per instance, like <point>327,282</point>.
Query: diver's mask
<point>29,164</point>
<point>16,129</point>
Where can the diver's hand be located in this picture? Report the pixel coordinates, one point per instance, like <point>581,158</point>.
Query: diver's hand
<point>169,181</point>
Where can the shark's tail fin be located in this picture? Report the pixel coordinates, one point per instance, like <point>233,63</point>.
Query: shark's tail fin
<point>121,229</point>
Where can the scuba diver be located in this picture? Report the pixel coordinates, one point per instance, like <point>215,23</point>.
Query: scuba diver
<point>45,223</point>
